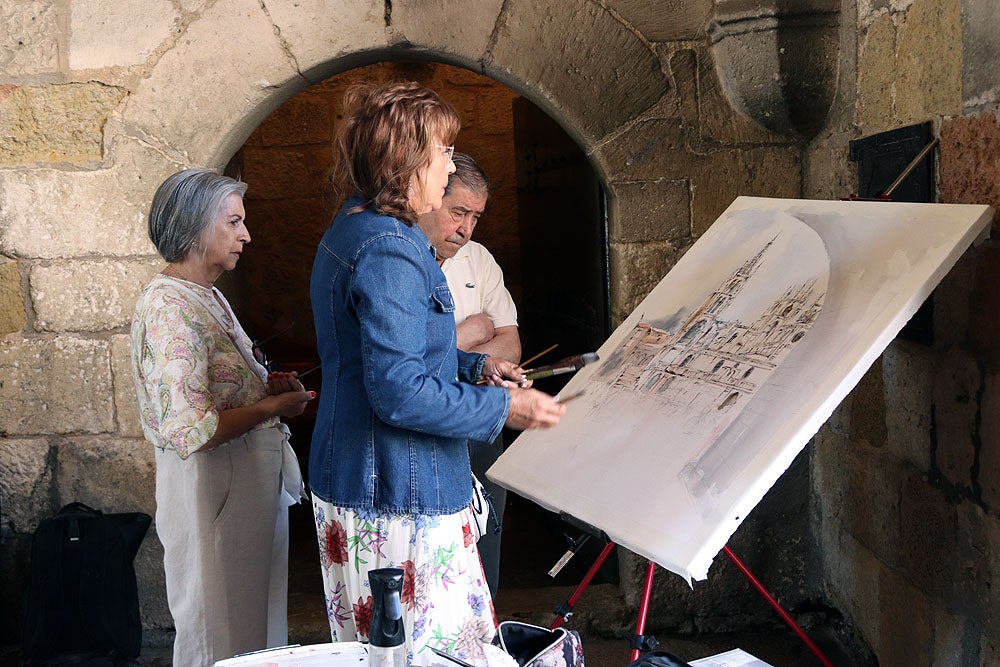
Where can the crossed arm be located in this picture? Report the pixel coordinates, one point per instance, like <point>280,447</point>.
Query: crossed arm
<point>477,334</point>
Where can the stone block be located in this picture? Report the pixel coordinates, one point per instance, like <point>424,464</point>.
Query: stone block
<point>683,65</point>
<point>976,565</point>
<point>864,412</point>
<point>830,470</point>
<point>989,650</point>
<point>649,150</point>
<point>56,123</point>
<point>49,213</point>
<point>953,307</point>
<point>989,442</point>
<point>119,34</point>
<point>827,171</point>
<point>852,576</point>
<point>906,629</point>
<point>260,72</point>
<point>126,407</point>
<point>983,318</point>
<point>927,552</point>
<point>12,315</point>
<point>980,53</point>
<point>722,176</point>
<point>956,404</point>
<point>908,377</point>
<point>152,584</point>
<point>88,295</point>
<point>108,473</point>
<point>929,60</point>
<point>324,38</point>
<point>304,119</point>
<point>30,40</point>
<point>969,160</point>
<point>60,385</point>
<point>597,77</point>
<point>651,211</point>
<point>27,483</point>
<point>986,548</point>
<point>871,501</point>
<point>636,268</point>
<point>876,76</point>
<point>666,21</point>
<point>445,26</point>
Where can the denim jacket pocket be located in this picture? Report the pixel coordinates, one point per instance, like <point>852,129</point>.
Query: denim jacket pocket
<point>443,300</point>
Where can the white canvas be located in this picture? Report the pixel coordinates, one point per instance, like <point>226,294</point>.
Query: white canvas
<point>708,390</point>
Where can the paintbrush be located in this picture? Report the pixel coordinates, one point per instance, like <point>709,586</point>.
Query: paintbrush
<point>567,365</point>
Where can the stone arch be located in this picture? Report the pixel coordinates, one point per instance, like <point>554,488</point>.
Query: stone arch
<point>280,50</point>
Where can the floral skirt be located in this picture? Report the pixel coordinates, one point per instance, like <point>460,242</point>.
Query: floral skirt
<point>446,602</point>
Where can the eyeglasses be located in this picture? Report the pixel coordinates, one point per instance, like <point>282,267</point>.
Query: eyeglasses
<point>448,151</point>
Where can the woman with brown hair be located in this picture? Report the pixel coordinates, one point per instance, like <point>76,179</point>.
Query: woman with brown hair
<point>389,466</point>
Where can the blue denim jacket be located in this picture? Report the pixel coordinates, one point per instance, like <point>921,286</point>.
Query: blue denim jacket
<point>393,418</point>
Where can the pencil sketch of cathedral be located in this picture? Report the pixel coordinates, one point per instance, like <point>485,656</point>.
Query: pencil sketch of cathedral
<point>705,371</point>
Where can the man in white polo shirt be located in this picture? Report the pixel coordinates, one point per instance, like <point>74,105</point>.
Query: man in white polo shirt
<point>485,316</point>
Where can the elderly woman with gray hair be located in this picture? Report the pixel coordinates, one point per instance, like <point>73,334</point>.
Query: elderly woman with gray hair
<point>225,473</point>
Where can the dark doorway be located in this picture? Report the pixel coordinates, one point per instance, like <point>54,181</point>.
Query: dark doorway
<point>561,225</point>
<point>544,223</point>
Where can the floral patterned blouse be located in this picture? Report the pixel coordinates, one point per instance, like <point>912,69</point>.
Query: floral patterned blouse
<point>186,366</point>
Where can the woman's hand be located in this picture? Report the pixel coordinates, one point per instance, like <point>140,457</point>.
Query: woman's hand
<point>289,403</point>
<point>280,382</point>
<point>234,422</point>
<point>530,408</point>
<point>498,372</point>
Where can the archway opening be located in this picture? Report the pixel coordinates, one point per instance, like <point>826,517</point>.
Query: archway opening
<point>545,223</point>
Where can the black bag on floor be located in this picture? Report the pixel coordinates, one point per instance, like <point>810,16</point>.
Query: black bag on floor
<point>82,603</point>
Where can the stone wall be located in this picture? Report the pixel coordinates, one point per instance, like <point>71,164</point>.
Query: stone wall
<point>100,101</point>
<point>904,473</point>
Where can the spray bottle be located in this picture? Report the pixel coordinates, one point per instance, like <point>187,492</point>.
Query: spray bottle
<point>386,637</point>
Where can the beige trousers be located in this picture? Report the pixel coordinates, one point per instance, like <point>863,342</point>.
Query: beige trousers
<point>224,529</point>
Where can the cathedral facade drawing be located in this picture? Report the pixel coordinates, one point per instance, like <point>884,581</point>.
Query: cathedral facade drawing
<point>711,361</point>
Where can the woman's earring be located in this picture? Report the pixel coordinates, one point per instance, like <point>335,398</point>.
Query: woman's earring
<point>409,191</point>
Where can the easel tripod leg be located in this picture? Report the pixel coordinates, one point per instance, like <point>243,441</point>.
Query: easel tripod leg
<point>565,610</point>
<point>785,616</point>
<point>639,640</point>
